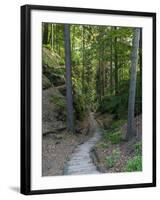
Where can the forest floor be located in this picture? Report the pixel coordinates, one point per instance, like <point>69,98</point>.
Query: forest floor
<point>96,151</point>
<point>112,152</point>
<point>57,148</point>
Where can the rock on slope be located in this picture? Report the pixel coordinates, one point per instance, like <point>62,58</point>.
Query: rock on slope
<point>53,100</point>
<point>53,112</point>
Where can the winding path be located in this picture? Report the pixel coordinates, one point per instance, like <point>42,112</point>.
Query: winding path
<point>80,161</point>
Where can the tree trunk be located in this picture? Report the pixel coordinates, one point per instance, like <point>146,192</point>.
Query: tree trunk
<point>132,89</point>
<point>73,38</point>
<point>56,38</point>
<point>103,70</point>
<point>83,57</point>
<point>45,33</point>
<point>140,53</point>
<point>111,84</point>
<point>70,120</point>
<point>100,78</point>
<point>116,64</point>
<point>52,37</point>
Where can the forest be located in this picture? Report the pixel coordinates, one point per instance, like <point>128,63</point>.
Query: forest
<point>91,99</point>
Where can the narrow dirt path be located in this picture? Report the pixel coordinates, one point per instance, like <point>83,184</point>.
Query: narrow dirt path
<point>80,161</point>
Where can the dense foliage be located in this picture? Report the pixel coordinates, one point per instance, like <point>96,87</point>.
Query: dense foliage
<point>101,59</point>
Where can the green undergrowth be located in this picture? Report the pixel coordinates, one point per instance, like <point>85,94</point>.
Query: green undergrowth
<point>138,148</point>
<point>112,159</point>
<point>111,139</point>
<point>114,137</point>
<point>135,163</point>
<point>118,123</point>
<point>114,134</point>
<point>111,136</point>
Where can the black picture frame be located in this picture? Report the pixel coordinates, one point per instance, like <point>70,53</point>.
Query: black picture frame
<point>26,98</point>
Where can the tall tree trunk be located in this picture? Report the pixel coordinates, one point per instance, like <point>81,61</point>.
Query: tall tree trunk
<point>83,58</point>
<point>140,53</point>
<point>52,37</point>
<point>45,33</point>
<point>111,83</point>
<point>56,38</point>
<point>73,38</point>
<point>59,42</point>
<point>103,71</point>
<point>100,62</point>
<point>116,64</point>
<point>132,89</point>
<point>70,118</point>
<point>100,77</point>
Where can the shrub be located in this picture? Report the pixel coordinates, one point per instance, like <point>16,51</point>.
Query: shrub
<point>115,104</point>
<point>109,104</point>
<point>134,164</point>
<point>138,148</point>
<point>112,159</point>
<point>118,123</point>
<point>113,137</point>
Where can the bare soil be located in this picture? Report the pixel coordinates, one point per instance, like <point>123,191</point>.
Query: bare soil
<point>57,148</point>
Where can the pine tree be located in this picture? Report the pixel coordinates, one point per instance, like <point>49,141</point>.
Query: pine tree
<point>132,89</point>
<point>70,120</point>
